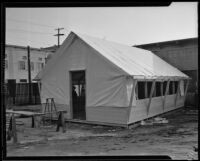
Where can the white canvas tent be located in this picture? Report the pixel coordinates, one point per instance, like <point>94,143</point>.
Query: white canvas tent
<point>122,84</point>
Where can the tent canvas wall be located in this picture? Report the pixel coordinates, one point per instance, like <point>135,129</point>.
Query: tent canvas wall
<point>117,80</point>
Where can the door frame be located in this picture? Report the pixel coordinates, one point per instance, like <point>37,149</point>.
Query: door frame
<point>70,91</point>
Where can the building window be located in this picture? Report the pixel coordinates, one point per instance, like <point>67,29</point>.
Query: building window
<point>23,81</point>
<point>40,66</point>
<point>24,57</point>
<point>22,65</point>
<point>32,66</point>
<point>6,64</point>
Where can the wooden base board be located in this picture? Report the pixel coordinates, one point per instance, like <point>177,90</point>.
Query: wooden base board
<point>95,123</point>
<point>131,125</point>
<point>136,124</point>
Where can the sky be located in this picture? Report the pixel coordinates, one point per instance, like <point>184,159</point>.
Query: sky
<point>126,25</point>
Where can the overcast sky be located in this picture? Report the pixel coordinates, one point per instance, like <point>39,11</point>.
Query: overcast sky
<point>126,25</point>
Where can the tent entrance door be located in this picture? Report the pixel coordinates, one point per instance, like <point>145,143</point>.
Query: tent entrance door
<point>78,94</point>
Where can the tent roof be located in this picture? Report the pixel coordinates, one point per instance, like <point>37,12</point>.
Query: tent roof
<point>133,61</point>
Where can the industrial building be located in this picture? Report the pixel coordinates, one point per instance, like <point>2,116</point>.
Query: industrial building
<point>182,54</point>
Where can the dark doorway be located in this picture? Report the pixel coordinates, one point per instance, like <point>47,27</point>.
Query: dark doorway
<point>78,88</point>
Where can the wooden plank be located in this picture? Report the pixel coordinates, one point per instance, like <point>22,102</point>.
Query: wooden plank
<point>166,92</point>
<point>150,97</point>
<point>96,123</point>
<point>28,113</point>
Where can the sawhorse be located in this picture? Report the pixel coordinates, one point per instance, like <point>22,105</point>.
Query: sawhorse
<point>50,108</point>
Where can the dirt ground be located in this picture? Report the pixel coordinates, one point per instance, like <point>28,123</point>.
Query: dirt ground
<point>175,139</point>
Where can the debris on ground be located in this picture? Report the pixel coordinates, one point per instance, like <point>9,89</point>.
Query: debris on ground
<point>19,123</point>
<point>156,120</point>
<point>174,134</point>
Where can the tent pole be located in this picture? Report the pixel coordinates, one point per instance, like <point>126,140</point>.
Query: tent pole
<point>161,88</point>
<point>166,92</point>
<point>177,92</point>
<point>186,90</point>
<point>131,98</point>
<point>39,88</point>
<point>136,90</point>
<point>151,94</point>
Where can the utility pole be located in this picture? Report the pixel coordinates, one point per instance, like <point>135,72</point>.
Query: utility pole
<point>58,35</point>
<point>29,75</point>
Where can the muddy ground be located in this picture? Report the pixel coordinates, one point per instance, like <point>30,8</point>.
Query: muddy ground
<point>175,139</point>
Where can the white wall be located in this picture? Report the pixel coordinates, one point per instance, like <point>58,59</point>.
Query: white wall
<point>14,55</point>
<point>139,112</point>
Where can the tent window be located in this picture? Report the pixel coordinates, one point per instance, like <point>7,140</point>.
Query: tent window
<point>158,89</point>
<point>172,87</point>
<point>176,86</point>
<point>164,87</point>
<point>141,90</point>
<point>149,84</point>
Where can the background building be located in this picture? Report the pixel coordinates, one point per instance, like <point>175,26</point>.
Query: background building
<point>182,54</point>
<point>51,50</point>
<point>16,65</point>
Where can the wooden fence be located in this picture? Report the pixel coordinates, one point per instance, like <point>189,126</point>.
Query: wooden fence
<point>18,93</point>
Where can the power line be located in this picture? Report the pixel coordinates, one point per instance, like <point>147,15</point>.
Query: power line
<point>38,24</point>
<point>21,30</point>
<point>33,23</point>
<point>25,39</point>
